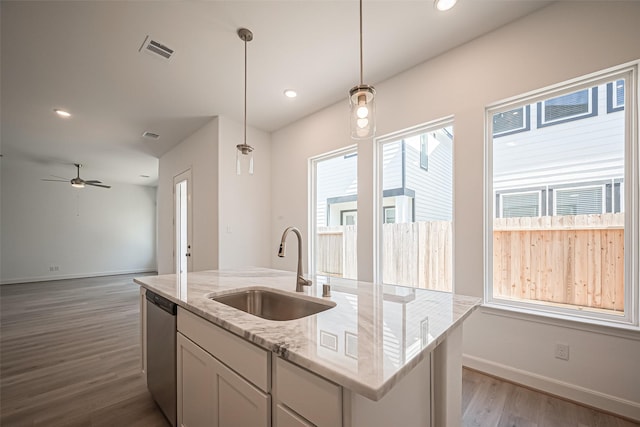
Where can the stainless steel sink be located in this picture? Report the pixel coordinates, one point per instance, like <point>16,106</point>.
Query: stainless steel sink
<point>273,305</point>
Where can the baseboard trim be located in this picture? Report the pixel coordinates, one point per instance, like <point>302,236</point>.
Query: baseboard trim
<point>584,396</point>
<point>74,276</point>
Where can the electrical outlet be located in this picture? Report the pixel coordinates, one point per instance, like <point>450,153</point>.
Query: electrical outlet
<point>562,351</point>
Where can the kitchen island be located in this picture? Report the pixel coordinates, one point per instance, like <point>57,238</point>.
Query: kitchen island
<point>384,355</point>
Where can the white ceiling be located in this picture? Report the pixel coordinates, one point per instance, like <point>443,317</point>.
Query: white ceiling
<point>83,56</point>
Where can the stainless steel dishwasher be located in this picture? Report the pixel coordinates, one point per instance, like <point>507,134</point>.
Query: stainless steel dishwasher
<point>161,353</point>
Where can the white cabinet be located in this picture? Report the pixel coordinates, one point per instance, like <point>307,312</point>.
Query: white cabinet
<point>210,394</point>
<point>304,398</point>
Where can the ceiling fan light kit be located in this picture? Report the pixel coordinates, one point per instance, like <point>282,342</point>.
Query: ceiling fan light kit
<point>78,182</point>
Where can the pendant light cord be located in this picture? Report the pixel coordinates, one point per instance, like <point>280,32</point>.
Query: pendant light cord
<point>361,73</point>
<point>245,91</point>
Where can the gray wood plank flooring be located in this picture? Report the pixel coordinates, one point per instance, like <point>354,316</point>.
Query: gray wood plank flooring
<point>70,356</point>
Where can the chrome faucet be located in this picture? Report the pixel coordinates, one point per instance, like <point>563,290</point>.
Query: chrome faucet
<point>300,281</point>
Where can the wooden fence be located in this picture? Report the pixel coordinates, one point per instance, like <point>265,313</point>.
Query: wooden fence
<point>415,254</point>
<point>575,260</point>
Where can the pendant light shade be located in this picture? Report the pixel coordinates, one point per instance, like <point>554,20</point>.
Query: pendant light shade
<point>244,150</point>
<point>362,103</point>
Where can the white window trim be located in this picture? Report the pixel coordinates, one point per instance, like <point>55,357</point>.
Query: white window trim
<point>312,225</point>
<point>378,157</point>
<point>631,198</point>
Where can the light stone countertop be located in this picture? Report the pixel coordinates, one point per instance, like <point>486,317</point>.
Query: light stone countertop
<point>370,340</point>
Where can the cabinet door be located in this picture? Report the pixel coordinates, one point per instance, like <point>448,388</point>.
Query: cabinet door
<point>212,395</point>
<point>195,385</point>
<point>238,402</point>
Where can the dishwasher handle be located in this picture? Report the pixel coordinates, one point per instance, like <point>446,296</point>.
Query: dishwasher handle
<point>161,302</point>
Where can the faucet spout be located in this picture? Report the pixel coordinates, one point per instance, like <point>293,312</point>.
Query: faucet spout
<point>300,280</point>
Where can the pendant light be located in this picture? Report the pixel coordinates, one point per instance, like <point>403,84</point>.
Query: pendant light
<point>362,103</point>
<point>244,149</point>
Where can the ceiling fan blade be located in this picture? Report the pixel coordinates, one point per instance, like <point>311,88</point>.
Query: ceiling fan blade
<point>61,177</point>
<point>93,181</point>
<point>56,180</point>
<point>96,185</point>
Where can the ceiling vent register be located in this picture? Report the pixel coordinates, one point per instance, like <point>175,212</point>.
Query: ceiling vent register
<point>151,135</point>
<point>156,48</point>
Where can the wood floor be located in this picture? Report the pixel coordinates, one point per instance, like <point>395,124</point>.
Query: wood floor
<point>70,356</point>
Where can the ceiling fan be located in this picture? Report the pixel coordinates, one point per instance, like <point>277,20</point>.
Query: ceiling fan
<point>78,182</point>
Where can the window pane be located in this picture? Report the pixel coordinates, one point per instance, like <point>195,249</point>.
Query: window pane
<point>573,104</point>
<point>579,201</point>
<point>562,247</point>
<point>520,205</point>
<point>336,204</point>
<point>417,209</point>
<point>508,121</point>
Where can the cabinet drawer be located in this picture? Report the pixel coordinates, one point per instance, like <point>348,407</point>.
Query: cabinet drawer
<point>247,359</point>
<point>313,397</point>
<point>287,418</point>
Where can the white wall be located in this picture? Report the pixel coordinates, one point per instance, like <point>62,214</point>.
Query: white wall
<point>561,42</point>
<point>231,213</point>
<point>198,152</point>
<point>84,232</point>
<point>244,210</point>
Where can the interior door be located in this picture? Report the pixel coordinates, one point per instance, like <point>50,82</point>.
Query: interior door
<point>182,223</point>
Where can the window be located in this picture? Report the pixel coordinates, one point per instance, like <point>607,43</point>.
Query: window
<point>565,108</point>
<point>615,96</point>
<point>334,200</point>
<point>424,149</point>
<point>512,121</point>
<point>560,242</point>
<point>389,215</point>
<point>348,217</point>
<point>414,237</point>
<point>579,201</point>
<point>525,204</point>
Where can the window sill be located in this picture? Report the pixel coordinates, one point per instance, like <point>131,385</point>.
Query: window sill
<point>626,331</point>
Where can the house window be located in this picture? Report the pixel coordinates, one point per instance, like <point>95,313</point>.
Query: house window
<point>348,217</point>
<point>424,152</point>
<point>579,200</point>
<point>512,121</point>
<point>389,215</point>
<point>520,204</point>
<point>615,96</point>
<point>334,210</point>
<point>564,246</point>
<point>414,226</point>
<point>568,107</point>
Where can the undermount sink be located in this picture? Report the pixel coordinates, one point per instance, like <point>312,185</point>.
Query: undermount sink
<point>272,305</point>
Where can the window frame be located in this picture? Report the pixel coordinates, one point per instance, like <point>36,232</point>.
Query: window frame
<point>312,204</point>
<point>378,216</point>
<point>630,187</point>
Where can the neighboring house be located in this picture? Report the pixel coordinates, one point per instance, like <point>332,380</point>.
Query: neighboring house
<point>417,181</point>
<point>561,156</point>
<point>530,177</point>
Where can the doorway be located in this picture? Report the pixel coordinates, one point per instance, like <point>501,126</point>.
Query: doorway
<point>182,223</point>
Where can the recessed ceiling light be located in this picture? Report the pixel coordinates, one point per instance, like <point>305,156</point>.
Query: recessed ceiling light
<point>290,93</point>
<point>443,5</point>
<point>62,113</point>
